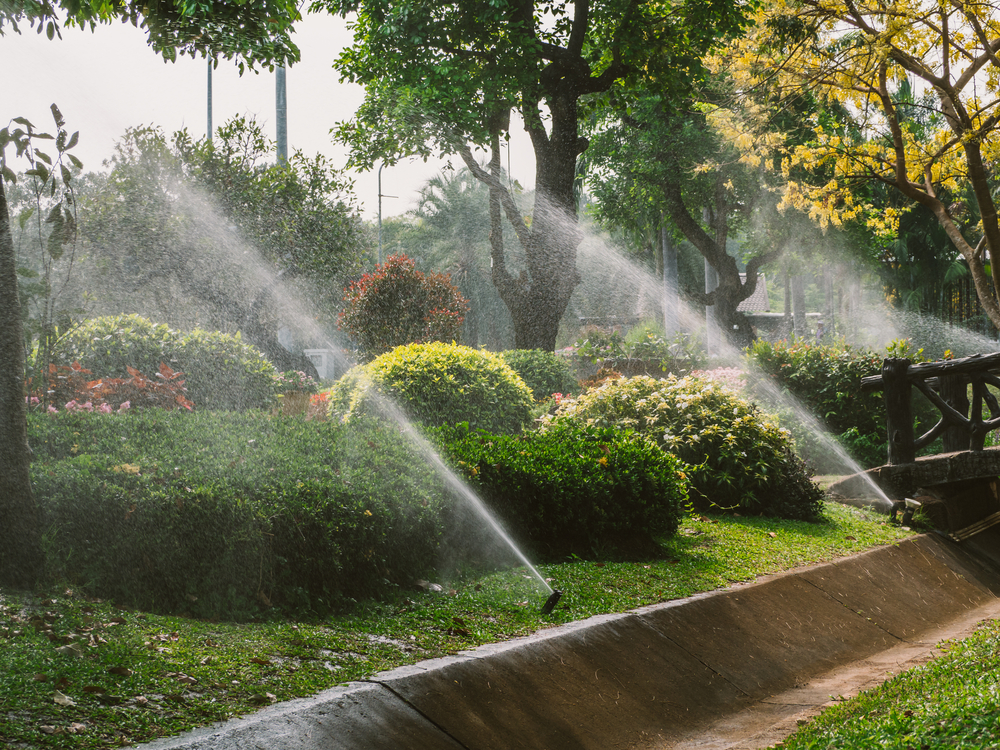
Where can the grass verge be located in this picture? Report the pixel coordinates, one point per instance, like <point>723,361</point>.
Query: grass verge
<point>83,673</point>
<point>948,702</point>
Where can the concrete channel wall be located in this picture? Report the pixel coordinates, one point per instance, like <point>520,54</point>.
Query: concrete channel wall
<point>639,679</point>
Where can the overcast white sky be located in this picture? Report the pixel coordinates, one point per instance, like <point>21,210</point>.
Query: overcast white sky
<point>107,80</point>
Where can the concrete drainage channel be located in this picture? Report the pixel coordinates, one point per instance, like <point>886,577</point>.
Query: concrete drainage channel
<point>730,669</point>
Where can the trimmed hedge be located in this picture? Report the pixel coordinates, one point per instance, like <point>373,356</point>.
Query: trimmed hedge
<point>215,514</point>
<point>738,458</point>
<point>437,384</point>
<point>220,371</point>
<point>826,382</point>
<point>572,489</point>
<point>545,373</point>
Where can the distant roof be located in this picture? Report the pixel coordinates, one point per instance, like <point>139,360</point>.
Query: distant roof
<point>758,301</point>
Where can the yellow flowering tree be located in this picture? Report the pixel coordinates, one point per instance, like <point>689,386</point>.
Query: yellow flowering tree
<point>916,84</point>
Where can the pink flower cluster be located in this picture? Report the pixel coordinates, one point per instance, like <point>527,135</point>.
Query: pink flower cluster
<point>731,377</point>
<point>72,406</point>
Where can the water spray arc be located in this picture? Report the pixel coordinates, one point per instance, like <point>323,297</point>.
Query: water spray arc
<point>390,410</point>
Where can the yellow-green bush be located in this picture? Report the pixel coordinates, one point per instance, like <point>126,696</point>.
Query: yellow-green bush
<point>739,458</point>
<point>436,384</point>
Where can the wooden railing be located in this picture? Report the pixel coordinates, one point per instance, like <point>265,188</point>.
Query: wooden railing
<point>946,385</point>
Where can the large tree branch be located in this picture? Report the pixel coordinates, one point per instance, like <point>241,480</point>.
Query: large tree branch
<point>494,183</point>
<point>690,228</point>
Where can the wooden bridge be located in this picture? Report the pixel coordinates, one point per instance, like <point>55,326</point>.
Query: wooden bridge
<point>958,487</point>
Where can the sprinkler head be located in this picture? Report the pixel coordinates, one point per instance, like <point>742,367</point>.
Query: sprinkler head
<point>550,603</point>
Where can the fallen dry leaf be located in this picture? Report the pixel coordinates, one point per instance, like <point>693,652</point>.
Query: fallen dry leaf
<point>71,649</point>
<point>63,700</point>
<point>120,671</point>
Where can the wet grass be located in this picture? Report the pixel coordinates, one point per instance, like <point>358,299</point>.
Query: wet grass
<point>949,702</point>
<point>81,673</point>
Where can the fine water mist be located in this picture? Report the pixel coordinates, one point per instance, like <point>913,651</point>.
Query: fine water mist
<point>643,296</point>
<point>214,278</point>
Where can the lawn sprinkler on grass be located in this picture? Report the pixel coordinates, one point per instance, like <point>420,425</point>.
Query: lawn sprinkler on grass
<point>550,603</point>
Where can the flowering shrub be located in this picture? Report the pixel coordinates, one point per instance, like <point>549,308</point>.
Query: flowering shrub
<point>739,459</point>
<point>437,384</point>
<point>396,304</point>
<point>295,380</point>
<point>732,378</point>
<point>319,406</point>
<point>69,387</point>
<point>221,371</point>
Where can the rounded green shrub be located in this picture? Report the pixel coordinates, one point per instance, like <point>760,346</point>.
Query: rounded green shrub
<point>220,370</point>
<point>436,384</point>
<point>544,372</point>
<point>738,458</point>
<point>571,489</point>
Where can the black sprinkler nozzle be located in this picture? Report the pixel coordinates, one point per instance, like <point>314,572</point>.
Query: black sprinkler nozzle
<point>550,603</point>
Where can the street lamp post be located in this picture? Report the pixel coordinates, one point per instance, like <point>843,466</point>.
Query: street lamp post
<point>281,107</point>
<point>380,197</point>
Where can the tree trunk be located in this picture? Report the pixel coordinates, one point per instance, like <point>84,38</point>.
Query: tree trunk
<point>671,286</point>
<point>538,297</point>
<point>21,559</point>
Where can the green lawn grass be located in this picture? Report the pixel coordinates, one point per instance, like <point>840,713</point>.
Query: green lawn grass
<point>952,701</point>
<point>81,673</point>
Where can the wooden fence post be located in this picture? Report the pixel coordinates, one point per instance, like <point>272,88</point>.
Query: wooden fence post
<point>898,410</point>
<point>954,391</point>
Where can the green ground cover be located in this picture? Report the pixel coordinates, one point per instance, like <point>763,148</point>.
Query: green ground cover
<point>949,702</point>
<point>76,672</point>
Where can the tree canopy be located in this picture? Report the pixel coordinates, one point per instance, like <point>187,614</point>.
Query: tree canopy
<point>200,233</point>
<point>919,82</point>
<point>446,79</point>
<point>250,32</point>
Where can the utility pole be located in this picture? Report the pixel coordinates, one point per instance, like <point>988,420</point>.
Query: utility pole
<point>379,259</point>
<point>209,128</point>
<point>281,105</point>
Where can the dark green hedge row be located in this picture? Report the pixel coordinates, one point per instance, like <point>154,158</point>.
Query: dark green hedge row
<point>216,514</point>
<point>573,490</point>
<point>825,381</point>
